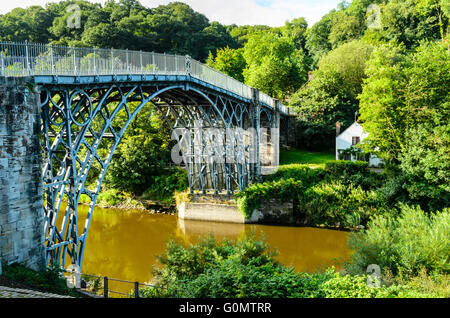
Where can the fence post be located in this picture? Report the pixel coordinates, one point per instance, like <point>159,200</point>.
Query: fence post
<point>136,290</point>
<point>112,60</point>
<point>140,61</point>
<point>75,61</point>
<point>2,60</point>
<point>128,62</point>
<point>27,57</point>
<point>188,63</point>
<point>165,63</point>
<point>95,67</point>
<point>105,287</point>
<point>53,60</point>
<point>153,62</point>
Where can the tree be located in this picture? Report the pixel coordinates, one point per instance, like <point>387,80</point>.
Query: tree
<point>296,31</point>
<point>317,42</point>
<point>425,163</point>
<point>228,61</point>
<point>331,95</point>
<point>178,29</point>
<point>410,21</point>
<point>142,154</point>
<point>345,28</point>
<point>274,65</point>
<point>216,36</point>
<point>61,33</point>
<point>26,24</point>
<point>241,34</point>
<point>401,92</point>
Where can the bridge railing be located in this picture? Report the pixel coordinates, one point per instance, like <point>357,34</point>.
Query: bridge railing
<point>28,59</point>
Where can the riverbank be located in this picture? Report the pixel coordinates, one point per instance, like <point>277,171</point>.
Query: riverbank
<point>115,199</point>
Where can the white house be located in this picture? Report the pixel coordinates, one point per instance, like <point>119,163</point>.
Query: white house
<point>351,137</point>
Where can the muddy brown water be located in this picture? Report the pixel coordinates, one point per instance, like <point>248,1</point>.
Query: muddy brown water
<point>124,244</point>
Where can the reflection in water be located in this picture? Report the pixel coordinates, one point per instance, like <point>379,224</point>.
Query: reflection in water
<point>124,244</point>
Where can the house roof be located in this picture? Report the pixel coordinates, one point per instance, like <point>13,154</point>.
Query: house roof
<point>354,124</point>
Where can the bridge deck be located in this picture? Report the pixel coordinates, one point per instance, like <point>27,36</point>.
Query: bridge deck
<point>69,65</point>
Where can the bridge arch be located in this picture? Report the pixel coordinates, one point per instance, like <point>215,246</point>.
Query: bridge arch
<point>75,121</point>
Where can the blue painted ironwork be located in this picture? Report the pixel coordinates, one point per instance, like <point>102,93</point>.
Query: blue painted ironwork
<point>90,96</point>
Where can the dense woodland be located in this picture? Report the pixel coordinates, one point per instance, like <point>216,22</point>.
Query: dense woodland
<point>387,59</point>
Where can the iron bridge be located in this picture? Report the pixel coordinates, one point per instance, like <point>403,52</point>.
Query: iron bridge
<point>90,96</point>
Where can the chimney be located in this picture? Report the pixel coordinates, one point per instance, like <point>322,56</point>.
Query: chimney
<point>338,128</point>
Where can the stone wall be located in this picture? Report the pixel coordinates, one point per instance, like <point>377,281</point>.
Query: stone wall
<point>21,205</point>
<point>225,209</point>
<point>274,211</point>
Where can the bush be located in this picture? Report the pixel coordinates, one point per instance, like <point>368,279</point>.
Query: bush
<point>347,286</point>
<point>337,204</point>
<point>338,168</point>
<point>302,173</point>
<point>284,190</point>
<point>232,279</point>
<point>48,280</point>
<point>404,244</point>
<point>247,268</point>
<point>183,262</point>
<point>164,186</point>
<point>425,165</point>
<point>110,197</point>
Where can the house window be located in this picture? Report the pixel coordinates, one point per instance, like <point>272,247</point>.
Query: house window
<point>355,140</point>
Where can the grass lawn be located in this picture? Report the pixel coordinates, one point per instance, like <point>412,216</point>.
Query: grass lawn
<point>305,157</point>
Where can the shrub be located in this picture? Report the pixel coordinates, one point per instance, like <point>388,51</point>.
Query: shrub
<point>247,268</point>
<point>181,262</point>
<point>302,173</point>
<point>338,168</point>
<point>48,280</point>
<point>251,198</point>
<point>335,203</point>
<point>110,197</point>
<point>404,244</point>
<point>348,286</point>
<point>164,186</point>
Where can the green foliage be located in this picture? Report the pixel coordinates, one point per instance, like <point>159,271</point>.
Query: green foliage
<point>110,197</point>
<point>342,193</point>
<point>337,168</point>
<point>250,198</point>
<point>331,95</point>
<point>171,28</point>
<point>425,165</point>
<point>142,154</point>
<point>337,204</point>
<point>274,65</point>
<point>48,280</point>
<point>397,96</point>
<point>241,34</point>
<point>404,244</point>
<point>228,61</point>
<point>302,173</point>
<point>246,268</point>
<point>232,279</point>
<point>411,21</point>
<point>296,30</point>
<point>317,42</point>
<point>348,286</point>
<point>165,185</point>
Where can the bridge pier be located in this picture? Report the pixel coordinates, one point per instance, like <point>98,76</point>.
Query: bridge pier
<point>21,202</point>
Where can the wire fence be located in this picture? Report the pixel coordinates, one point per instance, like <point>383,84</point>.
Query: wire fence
<point>28,59</point>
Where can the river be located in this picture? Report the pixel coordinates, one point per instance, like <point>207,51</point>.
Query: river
<point>124,244</point>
